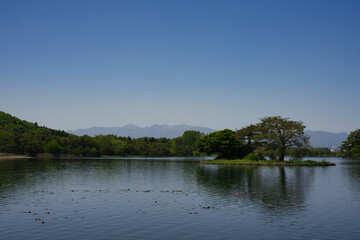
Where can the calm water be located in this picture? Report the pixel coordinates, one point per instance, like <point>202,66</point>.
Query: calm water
<point>176,199</point>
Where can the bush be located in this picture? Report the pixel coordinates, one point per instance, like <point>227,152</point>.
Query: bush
<point>224,144</point>
<point>252,157</point>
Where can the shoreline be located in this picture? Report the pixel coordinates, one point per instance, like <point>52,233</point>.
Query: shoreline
<point>13,156</point>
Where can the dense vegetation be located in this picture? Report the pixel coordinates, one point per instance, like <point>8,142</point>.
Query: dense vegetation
<point>22,137</point>
<point>351,147</point>
<point>298,153</point>
<point>271,138</point>
<point>223,144</point>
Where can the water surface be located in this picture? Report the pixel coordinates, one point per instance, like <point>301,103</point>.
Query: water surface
<point>176,198</point>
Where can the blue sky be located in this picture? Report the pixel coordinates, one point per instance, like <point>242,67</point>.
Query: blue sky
<point>219,64</point>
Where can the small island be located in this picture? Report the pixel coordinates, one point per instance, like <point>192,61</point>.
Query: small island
<point>267,162</point>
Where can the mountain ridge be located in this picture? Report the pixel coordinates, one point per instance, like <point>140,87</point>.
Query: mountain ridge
<point>326,139</point>
<point>134,131</point>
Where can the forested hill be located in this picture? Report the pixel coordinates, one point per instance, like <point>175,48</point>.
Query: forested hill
<point>11,124</point>
<point>22,137</point>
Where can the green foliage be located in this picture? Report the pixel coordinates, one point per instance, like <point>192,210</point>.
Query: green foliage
<point>309,152</point>
<point>53,147</point>
<point>22,137</point>
<point>7,141</point>
<point>351,147</point>
<point>190,137</point>
<point>247,135</point>
<point>271,137</point>
<point>277,134</point>
<point>252,156</point>
<point>223,144</point>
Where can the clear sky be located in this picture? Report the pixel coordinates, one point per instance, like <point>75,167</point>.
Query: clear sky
<point>219,64</point>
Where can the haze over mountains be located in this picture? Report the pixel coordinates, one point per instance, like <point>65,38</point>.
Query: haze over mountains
<point>326,139</point>
<point>317,138</point>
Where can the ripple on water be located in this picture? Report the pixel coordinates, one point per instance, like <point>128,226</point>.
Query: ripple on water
<point>140,199</point>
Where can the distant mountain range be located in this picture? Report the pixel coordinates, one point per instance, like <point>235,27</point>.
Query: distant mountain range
<point>326,139</point>
<point>317,138</point>
<point>156,131</point>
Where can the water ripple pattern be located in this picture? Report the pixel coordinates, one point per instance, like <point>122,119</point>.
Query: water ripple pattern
<point>176,198</point>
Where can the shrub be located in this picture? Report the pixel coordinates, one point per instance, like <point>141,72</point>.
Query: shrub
<point>252,156</point>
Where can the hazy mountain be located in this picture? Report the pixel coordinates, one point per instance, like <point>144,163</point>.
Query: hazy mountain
<point>156,131</point>
<point>326,139</point>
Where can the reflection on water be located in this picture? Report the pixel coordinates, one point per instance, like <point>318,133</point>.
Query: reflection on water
<point>176,198</point>
<point>351,172</point>
<point>276,189</point>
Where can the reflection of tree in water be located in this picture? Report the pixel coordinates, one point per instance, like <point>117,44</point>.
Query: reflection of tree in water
<point>24,172</point>
<point>16,175</point>
<point>351,171</point>
<point>272,188</point>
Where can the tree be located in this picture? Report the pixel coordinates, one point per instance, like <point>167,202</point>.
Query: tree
<point>279,133</point>
<point>53,147</point>
<point>351,147</point>
<point>190,137</point>
<point>247,134</point>
<point>223,144</point>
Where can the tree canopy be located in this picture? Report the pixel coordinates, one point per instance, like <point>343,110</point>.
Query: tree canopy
<point>351,147</point>
<point>272,136</point>
<point>279,133</point>
<point>223,144</point>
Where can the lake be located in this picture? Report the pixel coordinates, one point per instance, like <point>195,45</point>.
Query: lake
<point>176,198</point>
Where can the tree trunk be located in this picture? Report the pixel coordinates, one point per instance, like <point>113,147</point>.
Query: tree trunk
<point>282,153</point>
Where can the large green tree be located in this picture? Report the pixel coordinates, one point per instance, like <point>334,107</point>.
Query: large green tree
<point>224,144</point>
<point>277,133</point>
<point>351,147</point>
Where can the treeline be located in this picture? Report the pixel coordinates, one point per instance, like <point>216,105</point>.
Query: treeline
<point>22,137</point>
<point>311,152</point>
<point>272,138</point>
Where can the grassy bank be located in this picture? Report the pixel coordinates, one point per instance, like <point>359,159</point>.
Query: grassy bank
<point>268,162</point>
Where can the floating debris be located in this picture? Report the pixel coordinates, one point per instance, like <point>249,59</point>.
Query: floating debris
<point>145,191</point>
<point>124,190</point>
